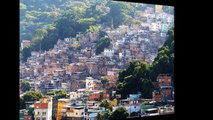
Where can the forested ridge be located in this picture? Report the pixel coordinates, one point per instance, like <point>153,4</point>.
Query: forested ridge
<point>43,22</point>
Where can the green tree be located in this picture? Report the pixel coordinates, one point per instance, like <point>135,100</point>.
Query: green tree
<point>102,33</point>
<point>164,62</point>
<point>104,81</point>
<point>51,93</point>
<point>94,12</point>
<point>32,96</point>
<point>26,52</point>
<point>21,103</point>
<point>93,28</point>
<point>103,43</point>
<point>37,38</point>
<point>106,114</point>
<point>146,88</point>
<point>120,113</point>
<point>25,86</point>
<point>137,75</point>
<point>22,6</point>
<point>119,13</point>
<point>100,116</point>
<point>68,24</point>
<point>50,39</point>
<point>45,39</point>
<point>133,114</point>
<point>106,104</point>
<point>60,94</point>
<point>103,115</point>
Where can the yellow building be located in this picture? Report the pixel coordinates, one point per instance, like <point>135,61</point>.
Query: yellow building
<point>61,104</point>
<point>158,8</point>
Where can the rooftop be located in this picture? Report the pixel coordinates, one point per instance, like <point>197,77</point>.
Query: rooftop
<point>41,105</point>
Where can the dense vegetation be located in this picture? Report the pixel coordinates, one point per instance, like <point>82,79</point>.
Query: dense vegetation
<point>164,62</point>
<point>120,113</point>
<point>30,96</point>
<point>137,75</point>
<point>120,13</point>
<point>106,104</point>
<point>102,44</point>
<point>45,21</point>
<point>33,96</point>
<point>38,14</point>
<point>104,82</point>
<point>58,94</point>
<point>25,86</point>
<point>103,115</point>
<point>141,74</point>
<point>26,52</point>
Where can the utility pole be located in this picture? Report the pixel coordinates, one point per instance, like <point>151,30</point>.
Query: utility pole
<point>40,46</point>
<point>112,26</point>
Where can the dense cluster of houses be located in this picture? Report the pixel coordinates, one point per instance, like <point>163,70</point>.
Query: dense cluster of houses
<point>85,103</point>
<point>73,66</point>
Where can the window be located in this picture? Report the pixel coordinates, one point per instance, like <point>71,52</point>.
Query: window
<point>82,113</point>
<point>43,113</point>
<point>76,113</point>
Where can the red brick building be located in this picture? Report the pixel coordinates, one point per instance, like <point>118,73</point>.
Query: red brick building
<point>164,88</point>
<point>164,80</point>
<point>94,96</point>
<point>28,117</point>
<point>156,96</point>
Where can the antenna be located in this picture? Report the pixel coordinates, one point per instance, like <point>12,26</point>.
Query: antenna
<point>112,26</point>
<point>90,71</point>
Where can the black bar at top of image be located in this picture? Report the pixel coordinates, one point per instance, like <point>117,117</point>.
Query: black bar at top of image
<point>160,2</point>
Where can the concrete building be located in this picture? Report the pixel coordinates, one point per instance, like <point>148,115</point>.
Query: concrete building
<point>43,109</point>
<point>75,112</point>
<point>89,83</point>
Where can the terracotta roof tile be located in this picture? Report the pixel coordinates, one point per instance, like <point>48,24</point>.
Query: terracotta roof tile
<point>41,105</point>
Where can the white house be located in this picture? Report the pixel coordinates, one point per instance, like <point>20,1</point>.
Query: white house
<point>66,39</point>
<point>131,103</point>
<point>120,55</point>
<point>65,86</point>
<point>75,95</point>
<point>75,112</point>
<point>154,27</point>
<point>91,114</point>
<point>43,109</point>
<point>89,83</point>
<point>131,108</point>
<point>109,52</point>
